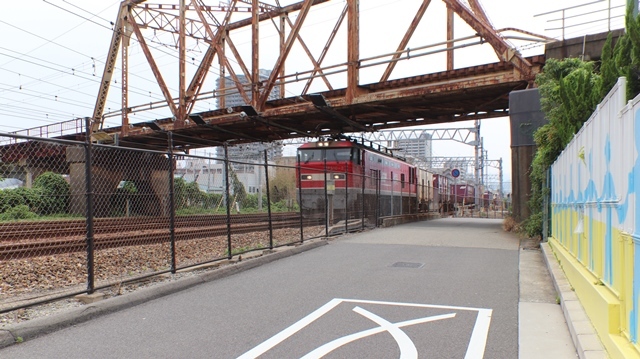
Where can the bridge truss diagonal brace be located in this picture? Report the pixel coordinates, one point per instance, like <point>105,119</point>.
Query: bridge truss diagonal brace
<point>295,30</point>
<point>502,49</point>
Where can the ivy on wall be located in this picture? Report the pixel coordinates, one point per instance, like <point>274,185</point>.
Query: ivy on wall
<point>570,90</point>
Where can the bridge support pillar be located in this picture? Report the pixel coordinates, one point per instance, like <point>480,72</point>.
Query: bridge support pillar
<point>31,171</point>
<point>105,182</point>
<point>148,171</point>
<point>526,117</point>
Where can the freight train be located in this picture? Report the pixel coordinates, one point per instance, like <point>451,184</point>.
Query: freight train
<point>355,180</point>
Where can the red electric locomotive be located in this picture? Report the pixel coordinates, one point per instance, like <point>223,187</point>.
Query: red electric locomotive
<point>338,177</point>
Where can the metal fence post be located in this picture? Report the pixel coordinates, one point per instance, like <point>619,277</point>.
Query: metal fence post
<point>346,202</point>
<point>362,198</point>
<point>89,207</point>
<point>172,212</point>
<point>227,197</point>
<point>545,210</point>
<point>299,181</point>
<point>266,176</point>
<point>326,201</point>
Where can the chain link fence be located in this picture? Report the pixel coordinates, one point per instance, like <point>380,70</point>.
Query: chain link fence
<point>77,217</point>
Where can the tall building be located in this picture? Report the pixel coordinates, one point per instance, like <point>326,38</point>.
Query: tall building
<point>231,94</point>
<point>248,151</point>
<point>420,147</point>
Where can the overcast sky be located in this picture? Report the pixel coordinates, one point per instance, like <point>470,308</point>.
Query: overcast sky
<point>53,52</point>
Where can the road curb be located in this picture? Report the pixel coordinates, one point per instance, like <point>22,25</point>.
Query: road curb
<point>584,336</point>
<point>37,327</point>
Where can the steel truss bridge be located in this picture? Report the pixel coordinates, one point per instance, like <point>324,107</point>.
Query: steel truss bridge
<point>315,75</point>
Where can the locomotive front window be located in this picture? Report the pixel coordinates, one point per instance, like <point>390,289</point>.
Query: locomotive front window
<point>307,156</point>
<point>338,154</point>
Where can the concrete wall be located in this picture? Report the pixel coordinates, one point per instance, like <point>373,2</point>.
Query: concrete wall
<point>595,229</point>
<point>588,48</point>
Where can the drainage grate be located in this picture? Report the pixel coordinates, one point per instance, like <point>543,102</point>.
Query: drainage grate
<point>407,265</point>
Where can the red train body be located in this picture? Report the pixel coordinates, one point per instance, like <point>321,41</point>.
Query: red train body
<point>351,179</point>
<point>353,175</point>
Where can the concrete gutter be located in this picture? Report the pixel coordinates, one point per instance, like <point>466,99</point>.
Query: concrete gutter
<point>584,336</point>
<point>37,327</point>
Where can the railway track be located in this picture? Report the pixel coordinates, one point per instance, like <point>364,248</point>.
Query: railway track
<point>68,228</point>
<point>135,232</point>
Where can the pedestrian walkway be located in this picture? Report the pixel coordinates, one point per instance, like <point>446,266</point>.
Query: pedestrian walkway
<point>455,288</point>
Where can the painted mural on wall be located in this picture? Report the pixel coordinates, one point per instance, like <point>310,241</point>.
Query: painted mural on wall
<point>593,195</point>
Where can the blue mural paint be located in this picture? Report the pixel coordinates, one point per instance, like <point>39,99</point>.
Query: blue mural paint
<point>568,201</point>
<point>591,259</point>
<point>608,193</point>
<point>635,174</point>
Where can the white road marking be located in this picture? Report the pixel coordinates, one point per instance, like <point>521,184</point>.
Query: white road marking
<point>333,345</point>
<point>475,349</point>
<point>278,338</point>
<point>479,335</point>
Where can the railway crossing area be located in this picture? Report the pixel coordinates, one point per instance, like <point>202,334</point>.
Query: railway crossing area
<point>446,288</point>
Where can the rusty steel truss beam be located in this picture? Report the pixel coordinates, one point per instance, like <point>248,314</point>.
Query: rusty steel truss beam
<point>195,20</point>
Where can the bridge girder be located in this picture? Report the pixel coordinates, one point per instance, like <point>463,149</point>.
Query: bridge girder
<point>364,105</point>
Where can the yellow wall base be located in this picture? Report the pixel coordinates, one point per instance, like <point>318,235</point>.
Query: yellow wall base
<point>601,305</point>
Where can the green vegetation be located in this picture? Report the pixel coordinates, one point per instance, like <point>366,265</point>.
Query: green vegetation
<point>570,90</point>
<point>54,193</point>
<point>17,213</point>
<point>48,196</point>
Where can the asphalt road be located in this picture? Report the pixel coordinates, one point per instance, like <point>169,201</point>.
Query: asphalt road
<point>437,289</point>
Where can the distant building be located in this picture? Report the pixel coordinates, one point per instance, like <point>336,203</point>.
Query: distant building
<point>231,94</point>
<point>210,176</point>
<point>420,147</point>
<point>253,152</point>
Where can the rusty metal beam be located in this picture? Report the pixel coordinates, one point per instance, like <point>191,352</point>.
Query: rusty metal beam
<point>125,77</point>
<point>449,39</point>
<point>207,60</point>
<point>353,50</point>
<point>479,11</point>
<point>283,56</point>
<point>182,69</point>
<point>255,55</point>
<point>502,49</point>
<point>405,39</point>
<point>164,21</point>
<point>282,44</point>
<point>109,67</point>
<point>316,65</point>
<point>252,114</point>
<point>154,67</point>
<point>326,48</point>
<point>222,84</point>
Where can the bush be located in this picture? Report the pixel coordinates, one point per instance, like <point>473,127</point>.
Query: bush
<point>18,212</point>
<point>55,193</point>
<point>211,200</point>
<point>32,197</point>
<point>10,199</point>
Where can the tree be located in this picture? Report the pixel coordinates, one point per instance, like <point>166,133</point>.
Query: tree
<point>570,90</point>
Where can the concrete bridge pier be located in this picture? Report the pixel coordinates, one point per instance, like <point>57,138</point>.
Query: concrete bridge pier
<point>31,171</point>
<point>148,171</point>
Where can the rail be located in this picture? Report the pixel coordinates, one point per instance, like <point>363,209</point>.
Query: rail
<point>587,18</point>
<point>47,131</point>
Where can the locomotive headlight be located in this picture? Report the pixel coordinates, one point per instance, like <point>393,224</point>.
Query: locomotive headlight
<point>306,177</point>
<point>338,176</point>
<point>323,144</point>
